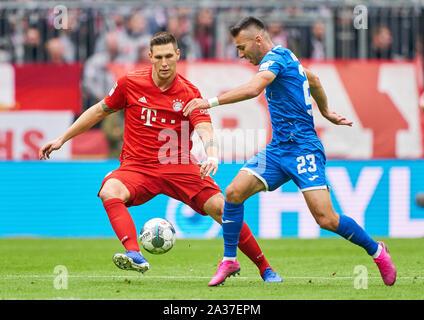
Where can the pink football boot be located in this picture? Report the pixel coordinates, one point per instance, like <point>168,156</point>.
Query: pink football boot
<point>225,269</point>
<point>385,265</point>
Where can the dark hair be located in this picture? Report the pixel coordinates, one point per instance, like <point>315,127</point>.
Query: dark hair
<point>246,23</point>
<point>163,37</point>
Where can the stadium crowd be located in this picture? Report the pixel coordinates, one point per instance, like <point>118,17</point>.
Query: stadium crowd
<point>30,35</point>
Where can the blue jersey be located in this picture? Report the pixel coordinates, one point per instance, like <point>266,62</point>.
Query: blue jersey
<point>289,98</point>
<point>295,151</point>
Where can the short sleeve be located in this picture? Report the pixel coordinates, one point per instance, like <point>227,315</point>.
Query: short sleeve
<point>116,99</point>
<point>199,115</point>
<point>273,63</point>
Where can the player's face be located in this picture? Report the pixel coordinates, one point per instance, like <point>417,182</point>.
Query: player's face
<point>248,46</point>
<point>164,58</point>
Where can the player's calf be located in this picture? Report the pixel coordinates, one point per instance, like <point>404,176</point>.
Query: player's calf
<point>327,222</point>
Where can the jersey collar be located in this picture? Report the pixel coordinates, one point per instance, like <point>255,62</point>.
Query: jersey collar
<point>272,50</point>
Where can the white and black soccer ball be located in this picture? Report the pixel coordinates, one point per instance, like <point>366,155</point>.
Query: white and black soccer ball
<point>157,236</point>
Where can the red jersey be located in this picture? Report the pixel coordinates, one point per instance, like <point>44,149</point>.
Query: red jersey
<point>155,129</point>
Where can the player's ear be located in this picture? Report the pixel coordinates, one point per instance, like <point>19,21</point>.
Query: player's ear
<point>178,52</point>
<point>258,39</point>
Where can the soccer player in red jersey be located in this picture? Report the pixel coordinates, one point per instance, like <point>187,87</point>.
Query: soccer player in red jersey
<point>155,157</point>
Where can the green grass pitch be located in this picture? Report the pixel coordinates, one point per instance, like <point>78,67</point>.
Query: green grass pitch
<point>311,269</point>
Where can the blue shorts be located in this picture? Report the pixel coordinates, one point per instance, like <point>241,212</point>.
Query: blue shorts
<point>304,164</point>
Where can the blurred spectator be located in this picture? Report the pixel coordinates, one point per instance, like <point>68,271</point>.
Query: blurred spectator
<point>97,80</point>
<point>33,47</point>
<point>294,10</point>
<point>157,18</point>
<point>278,34</point>
<point>204,33</point>
<point>5,51</point>
<point>180,31</point>
<point>143,54</point>
<point>135,36</point>
<point>118,22</point>
<point>230,51</point>
<point>113,128</point>
<point>65,29</point>
<point>317,44</point>
<point>55,50</point>
<point>382,43</point>
<point>68,46</point>
<point>195,27</point>
<point>345,35</point>
<point>131,33</point>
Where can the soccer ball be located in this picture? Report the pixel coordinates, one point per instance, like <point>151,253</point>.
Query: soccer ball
<point>157,236</point>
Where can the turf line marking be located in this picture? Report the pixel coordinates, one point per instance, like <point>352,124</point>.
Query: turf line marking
<point>29,276</point>
<point>124,277</point>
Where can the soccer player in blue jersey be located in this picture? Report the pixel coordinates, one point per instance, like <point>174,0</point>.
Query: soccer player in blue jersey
<point>295,151</point>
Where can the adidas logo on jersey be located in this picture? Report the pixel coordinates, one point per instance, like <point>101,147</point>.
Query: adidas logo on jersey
<point>142,99</point>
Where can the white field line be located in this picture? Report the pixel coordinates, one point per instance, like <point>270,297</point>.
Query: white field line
<point>37,276</point>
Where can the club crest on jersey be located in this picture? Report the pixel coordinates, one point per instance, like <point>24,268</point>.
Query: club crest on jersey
<point>177,105</point>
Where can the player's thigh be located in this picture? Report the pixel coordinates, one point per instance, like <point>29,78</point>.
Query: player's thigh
<point>184,183</point>
<point>321,208</point>
<point>306,167</point>
<point>244,185</point>
<point>129,183</point>
<point>114,188</point>
<point>265,166</point>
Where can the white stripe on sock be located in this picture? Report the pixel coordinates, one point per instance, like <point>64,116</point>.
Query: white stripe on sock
<point>233,259</point>
<point>377,253</point>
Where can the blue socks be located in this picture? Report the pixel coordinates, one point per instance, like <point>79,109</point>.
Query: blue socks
<point>353,232</point>
<point>232,222</point>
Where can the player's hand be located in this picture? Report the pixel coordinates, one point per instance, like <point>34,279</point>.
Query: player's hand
<point>337,119</point>
<point>195,104</point>
<point>207,167</point>
<point>49,147</point>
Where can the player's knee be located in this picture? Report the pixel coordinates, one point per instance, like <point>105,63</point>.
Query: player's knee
<point>216,215</point>
<point>327,222</point>
<point>113,190</point>
<point>107,194</point>
<point>233,194</point>
<point>214,207</point>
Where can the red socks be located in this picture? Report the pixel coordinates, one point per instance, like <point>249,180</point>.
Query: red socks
<point>248,245</point>
<point>122,223</point>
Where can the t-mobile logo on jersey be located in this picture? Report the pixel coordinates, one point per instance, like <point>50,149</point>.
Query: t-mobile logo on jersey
<point>148,117</point>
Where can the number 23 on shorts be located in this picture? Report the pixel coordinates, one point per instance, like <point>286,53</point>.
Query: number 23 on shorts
<point>306,163</point>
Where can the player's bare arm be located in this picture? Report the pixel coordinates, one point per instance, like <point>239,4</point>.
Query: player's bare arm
<point>244,92</point>
<point>421,102</point>
<point>87,120</point>
<point>210,143</point>
<point>318,93</point>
